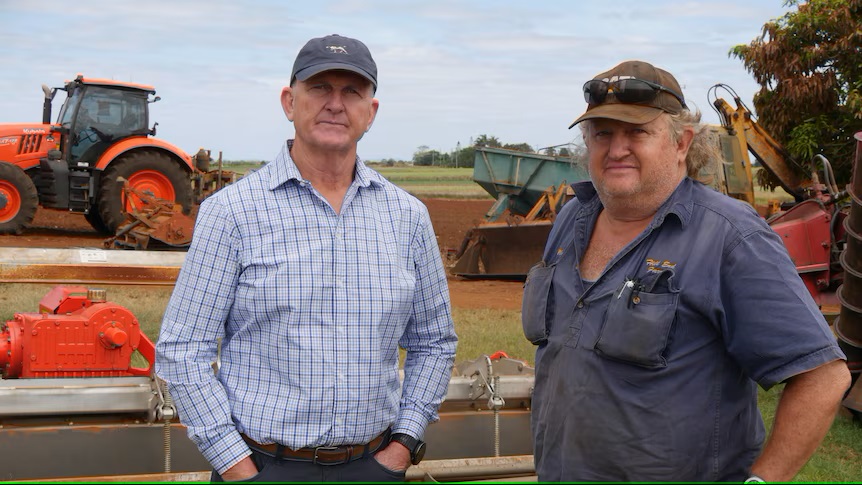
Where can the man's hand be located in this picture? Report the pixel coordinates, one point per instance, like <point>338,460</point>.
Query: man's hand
<point>395,457</point>
<point>245,468</point>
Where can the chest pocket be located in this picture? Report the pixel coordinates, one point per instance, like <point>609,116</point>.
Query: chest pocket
<point>535,304</point>
<point>638,321</point>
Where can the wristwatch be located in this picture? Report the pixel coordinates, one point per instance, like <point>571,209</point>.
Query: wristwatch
<point>415,446</point>
<point>754,479</point>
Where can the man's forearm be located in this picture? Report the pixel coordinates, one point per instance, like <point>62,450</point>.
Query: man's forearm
<point>805,412</point>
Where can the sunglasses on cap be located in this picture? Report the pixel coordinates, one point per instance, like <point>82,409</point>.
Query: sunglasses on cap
<point>629,91</point>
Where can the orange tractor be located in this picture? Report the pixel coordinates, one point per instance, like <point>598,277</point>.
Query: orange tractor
<point>100,142</point>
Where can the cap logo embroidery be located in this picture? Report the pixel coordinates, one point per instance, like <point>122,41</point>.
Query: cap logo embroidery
<point>337,49</point>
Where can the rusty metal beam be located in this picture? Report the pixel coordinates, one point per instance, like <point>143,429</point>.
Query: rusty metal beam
<point>89,266</point>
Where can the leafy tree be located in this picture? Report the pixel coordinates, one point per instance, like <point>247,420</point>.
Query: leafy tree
<point>487,141</point>
<point>466,156</point>
<point>808,66</point>
<point>428,158</point>
<point>421,157</point>
<point>521,147</point>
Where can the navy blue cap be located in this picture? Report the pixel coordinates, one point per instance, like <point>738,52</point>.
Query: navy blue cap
<point>334,52</point>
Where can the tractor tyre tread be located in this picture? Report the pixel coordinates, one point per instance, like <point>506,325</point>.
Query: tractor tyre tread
<point>28,195</point>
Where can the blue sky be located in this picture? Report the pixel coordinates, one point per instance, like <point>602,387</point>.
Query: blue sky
<point>448,70</point>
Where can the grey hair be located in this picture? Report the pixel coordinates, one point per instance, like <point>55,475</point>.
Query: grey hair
<point>704,155</point>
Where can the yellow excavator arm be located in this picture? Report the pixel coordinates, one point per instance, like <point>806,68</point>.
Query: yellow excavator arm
<point>740,135</point>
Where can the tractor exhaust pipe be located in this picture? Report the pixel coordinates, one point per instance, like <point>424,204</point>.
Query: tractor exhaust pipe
<point>46,106</point>
<point>848,325</point>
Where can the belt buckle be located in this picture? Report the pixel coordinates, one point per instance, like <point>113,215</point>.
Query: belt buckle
<point>316,459</point>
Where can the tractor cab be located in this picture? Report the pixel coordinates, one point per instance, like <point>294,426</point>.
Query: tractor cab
<point>97,113</point>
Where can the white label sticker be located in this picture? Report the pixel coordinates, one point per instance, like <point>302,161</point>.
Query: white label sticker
<point>93,256</point>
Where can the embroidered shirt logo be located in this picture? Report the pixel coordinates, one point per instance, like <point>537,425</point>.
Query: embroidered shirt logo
<point>336,49</point>
<point>657,265</point>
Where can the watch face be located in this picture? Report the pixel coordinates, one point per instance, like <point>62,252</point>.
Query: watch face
<point>418,453</point>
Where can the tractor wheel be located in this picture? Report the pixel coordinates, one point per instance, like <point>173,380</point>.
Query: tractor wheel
<point>152,172</point>
<point>96,222</point>
<point>18,199</point>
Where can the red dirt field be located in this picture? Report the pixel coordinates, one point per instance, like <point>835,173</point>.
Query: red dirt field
<point>451,218</point>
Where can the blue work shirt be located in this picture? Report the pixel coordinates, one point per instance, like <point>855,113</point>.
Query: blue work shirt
<point>311,306</point>
<point>650,373</point>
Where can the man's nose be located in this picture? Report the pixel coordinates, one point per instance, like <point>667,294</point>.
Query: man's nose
<point>619,145</point>
<point>335,101</point>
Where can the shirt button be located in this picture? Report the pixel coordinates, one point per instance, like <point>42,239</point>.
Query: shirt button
<point>580,304</point>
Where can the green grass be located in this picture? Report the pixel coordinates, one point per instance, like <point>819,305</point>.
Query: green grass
<point>839,457</point>
<point>240,167</point>
<point>485,331</point>
<point>436,182</point>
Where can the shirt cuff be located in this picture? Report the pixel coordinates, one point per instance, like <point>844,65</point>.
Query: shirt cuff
<point>411,422</point>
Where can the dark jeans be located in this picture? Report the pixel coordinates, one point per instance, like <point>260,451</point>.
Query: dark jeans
<point>272,469</point>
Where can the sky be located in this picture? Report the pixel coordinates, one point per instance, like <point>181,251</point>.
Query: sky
<point>448,71</point>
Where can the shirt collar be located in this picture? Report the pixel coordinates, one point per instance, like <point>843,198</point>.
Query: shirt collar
<point>680,202</point>
<point>284,169</point>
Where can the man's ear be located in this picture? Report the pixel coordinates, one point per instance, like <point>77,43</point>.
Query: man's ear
<point>375,104</point>
<point>684,144</point>
<point>287,102</point>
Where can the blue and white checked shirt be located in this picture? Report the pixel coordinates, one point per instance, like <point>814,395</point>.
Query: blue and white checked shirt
<point>312,307</point>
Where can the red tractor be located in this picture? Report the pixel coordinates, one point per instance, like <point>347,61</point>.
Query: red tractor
<point>100,140</point>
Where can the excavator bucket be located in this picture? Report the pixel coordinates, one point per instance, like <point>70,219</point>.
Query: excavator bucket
<point>502,251</point>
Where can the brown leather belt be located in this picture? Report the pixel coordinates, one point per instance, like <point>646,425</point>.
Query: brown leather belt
<point>321,455</point>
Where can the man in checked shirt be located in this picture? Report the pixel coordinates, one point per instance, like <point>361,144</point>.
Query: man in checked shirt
<point>312,271</point>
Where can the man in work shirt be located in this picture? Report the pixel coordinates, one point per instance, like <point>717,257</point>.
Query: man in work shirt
<point>312,271</point>
<point>659,307</point>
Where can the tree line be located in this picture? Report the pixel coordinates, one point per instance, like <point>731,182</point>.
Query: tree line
<point>464,156</point>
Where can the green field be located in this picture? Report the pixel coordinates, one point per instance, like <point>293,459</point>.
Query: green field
<point>426,182</point>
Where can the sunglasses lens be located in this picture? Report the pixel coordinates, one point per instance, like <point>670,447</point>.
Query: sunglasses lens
<point>634,91</point>
<point>595,91</point>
